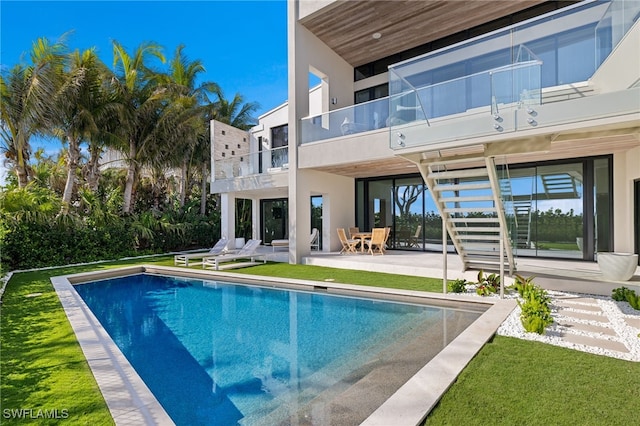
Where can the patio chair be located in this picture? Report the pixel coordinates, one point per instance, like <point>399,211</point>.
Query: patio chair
<point>219,248</point>
<point>377,241</point>
<point>248,251</point>
<point>415,238</point>
<point>387,233</point>
<point>348,244</point>
<point>353,230</point>
<point>315,239</point>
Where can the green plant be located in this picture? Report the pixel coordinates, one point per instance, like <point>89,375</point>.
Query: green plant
<point>624,294</point>
<point>457,286</point>
<point>620,294</point>
<point>535,305</point>
<point>523,285</point>
<point>485,289</point>
<point>487,284</point>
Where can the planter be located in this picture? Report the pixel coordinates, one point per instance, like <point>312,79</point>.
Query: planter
<point>617,266</point>
<point>239,243</point>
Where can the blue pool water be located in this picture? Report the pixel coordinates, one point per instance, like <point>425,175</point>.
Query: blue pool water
<point>224,354</point>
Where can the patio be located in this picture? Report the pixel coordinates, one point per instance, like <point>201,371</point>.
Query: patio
<point>559,275</point>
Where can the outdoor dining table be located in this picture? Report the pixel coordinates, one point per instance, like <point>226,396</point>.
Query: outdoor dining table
<point>361,236</point>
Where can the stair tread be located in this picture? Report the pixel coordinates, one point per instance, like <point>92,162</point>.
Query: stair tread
<point>452,174</point>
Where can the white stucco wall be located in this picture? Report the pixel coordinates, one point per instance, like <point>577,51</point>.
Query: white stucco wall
<point>626,169</point>
<point>338,205</point>
<point>307,53</point>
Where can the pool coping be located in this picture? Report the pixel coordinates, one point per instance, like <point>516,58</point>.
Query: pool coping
<point>131,402</point>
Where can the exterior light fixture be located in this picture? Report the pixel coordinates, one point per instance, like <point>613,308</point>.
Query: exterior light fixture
<point>376,35</point>
<point>334,101</point>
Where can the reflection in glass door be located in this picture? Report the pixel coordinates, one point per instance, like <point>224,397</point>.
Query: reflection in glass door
<point>380,208</point>
<point>559,211</point>
<point>275,221</point>
<point>562,209</point>
<point>316,216</point>
<point>636,197</point>
<point>408,201</point>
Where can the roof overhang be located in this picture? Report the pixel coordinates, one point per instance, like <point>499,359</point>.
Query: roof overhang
<point>348,27</point>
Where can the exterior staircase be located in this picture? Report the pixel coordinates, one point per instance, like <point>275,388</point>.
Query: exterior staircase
<point>522,212</point>
<point>466,191</point>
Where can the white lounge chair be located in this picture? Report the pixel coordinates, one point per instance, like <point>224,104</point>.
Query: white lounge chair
<point>248,251</point>
<point>219,248</point>
<point>315,239</point>
<point>280,243</point>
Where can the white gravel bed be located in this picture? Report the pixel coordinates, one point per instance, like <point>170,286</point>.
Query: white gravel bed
<point>616,312</point>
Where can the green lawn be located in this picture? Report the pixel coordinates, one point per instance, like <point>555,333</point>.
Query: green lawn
<point>509,382</point>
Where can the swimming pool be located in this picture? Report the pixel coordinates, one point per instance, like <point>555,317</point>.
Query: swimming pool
<point>221,353</point>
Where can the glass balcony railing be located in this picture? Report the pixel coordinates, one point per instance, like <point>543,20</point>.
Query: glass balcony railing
<point>469,89</point>
<point>350,120</point>
<point>252,164</point>
<point>618,19</point>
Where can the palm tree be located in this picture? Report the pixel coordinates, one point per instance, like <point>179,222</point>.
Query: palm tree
<point>76,110</point>
<point>236,112</point>
<point>26,92</point>
<point>190,103</point>
<point>140,97</point>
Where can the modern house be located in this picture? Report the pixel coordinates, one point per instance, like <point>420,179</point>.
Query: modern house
<point>515,126</point>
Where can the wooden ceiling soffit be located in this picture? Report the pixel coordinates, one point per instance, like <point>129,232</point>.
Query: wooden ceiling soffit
<point>347,26</point>
<point>520,146</point>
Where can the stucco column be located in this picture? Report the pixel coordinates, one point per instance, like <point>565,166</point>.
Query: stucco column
<point>298,108</point>
<point>228,216</point>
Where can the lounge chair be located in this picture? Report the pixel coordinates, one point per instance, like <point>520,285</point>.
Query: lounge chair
<point>280,243</point>
<point>348,244</point>
<point>377,241</point>
<point>248,251</point>
<point>314,239</point>
<point>219,248</point>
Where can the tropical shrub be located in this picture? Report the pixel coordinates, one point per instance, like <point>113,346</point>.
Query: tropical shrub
<point>523,285</point>
<point>35,233</point>
<point>624,294</point>
<point>487,285</point>
<point>457,286</point>
<point>535,305</point>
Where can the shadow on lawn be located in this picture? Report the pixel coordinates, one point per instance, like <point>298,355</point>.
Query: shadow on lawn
<point>43,367</point>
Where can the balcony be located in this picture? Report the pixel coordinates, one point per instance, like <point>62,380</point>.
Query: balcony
<point>255,163</point>
<point>359,118</point>
<point>511,80</point>
<point>508,80</point>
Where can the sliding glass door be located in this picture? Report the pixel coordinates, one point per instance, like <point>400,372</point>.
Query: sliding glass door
<point>275,222</point>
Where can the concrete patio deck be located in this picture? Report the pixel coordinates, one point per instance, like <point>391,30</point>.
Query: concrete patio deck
<point>561,275</point>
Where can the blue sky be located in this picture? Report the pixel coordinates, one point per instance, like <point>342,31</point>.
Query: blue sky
<point>243,44</point>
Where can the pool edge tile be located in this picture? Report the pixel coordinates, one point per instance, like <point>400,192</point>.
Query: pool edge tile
<point>416,398</point>
<point>112,371</point>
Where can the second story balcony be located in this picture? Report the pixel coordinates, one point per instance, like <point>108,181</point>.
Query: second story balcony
<point>255,163</point>
<point>511,80</point>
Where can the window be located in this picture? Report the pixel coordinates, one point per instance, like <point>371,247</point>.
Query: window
<point>372,93</point>
<point>280,136</point>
